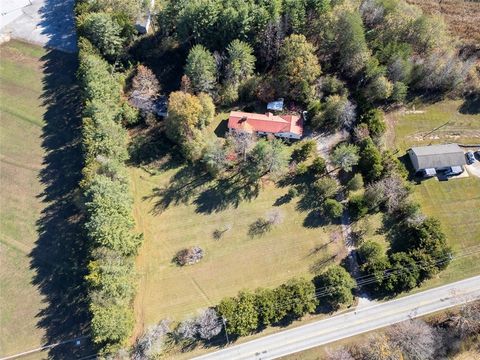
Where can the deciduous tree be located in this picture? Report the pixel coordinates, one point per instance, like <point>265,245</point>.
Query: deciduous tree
<point>298,67</point>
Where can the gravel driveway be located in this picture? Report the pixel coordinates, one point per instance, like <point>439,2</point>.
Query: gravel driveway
<point>49,23</point>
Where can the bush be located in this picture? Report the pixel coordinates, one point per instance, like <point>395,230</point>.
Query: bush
<point>306,149</point>
<point>325,188</point>
<point>355,183</point>
<point>332,208</point>
<point>189,256</point>
<point>375,122</point>
<point>357,206</point>
<point>318,166</point>
<point>399,92</point>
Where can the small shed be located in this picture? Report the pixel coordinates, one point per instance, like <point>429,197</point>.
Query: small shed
<point>437,157</point>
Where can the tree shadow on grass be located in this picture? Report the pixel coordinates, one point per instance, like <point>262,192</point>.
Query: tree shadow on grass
<point>182,188</point>
<point>151,147</point>
<point>59,256</point>
<point>227,193</point>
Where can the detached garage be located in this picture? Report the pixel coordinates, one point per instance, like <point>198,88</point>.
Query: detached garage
<point>433,158</point>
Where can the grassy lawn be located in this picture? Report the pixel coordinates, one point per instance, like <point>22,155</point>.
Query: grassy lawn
<point>456,203</point>
<point>438,123</point>
<point>21,160</point>
<point>234,262</point>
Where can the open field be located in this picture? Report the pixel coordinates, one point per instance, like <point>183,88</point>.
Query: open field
<point>435,124</point>
<point>234,262</point>
<point>42,250</point>
<point>456,203</point>
<point>21,160</point>
<point>461,16</point>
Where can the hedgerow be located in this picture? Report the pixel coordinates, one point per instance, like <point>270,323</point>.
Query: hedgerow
<point>108,202</point>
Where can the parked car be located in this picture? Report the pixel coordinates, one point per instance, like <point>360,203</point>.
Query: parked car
<point>454,170</point>
<point>470,157</point>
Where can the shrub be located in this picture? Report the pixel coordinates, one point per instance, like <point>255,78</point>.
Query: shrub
<point>332,208</point>
<point>189,256</point>
<point>357,206</point>
<point>306,149</point>
<point>375,122</point>
<point>355,183</point>
<point>399,92</point>
<point>318,166</point>
<point>325,187</point>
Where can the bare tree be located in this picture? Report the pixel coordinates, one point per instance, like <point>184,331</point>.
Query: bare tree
<point>152,341</point>
<point>377,347</point>
<point>205,326</point>
<point>341,353</point>
<point>243,142</point>
<point>467,322</point>
<point>187,330</point>
<point>208,324</point>
<point>415,338</point>
<point>390,191</point>
<point>372,12</point>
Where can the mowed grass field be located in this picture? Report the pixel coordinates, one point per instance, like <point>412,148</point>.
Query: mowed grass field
<point>234,262</point>
<point>456,203</point>
<point>20,206</point>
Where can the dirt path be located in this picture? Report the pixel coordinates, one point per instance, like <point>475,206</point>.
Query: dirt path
<point>324,145</point>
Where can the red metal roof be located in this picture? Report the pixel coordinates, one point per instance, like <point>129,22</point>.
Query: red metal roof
<point>268,123</point>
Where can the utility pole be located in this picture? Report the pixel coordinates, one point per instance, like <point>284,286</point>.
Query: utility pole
<point>225,327</point>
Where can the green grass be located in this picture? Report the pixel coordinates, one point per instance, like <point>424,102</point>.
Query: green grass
<point>235,262</point>
<point>439,123</point>
<point>456,203</point>
<point>21,160</point>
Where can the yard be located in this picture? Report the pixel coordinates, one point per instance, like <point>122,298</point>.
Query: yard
<point>456,203</point>
<point>21,160</point>
<point>176,209</point>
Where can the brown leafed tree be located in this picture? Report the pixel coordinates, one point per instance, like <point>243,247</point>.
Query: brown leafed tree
<point>145,83</point>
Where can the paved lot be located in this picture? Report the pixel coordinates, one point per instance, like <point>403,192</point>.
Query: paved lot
<point>48,23</point>
<point>353,323</point>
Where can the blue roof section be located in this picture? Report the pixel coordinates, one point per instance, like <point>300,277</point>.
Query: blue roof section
<point>275,105</point>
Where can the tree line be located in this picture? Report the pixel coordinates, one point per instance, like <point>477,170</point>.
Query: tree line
<point>113,243</point>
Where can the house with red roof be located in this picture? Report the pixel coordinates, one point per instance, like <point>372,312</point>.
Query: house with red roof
<point>284,126</point>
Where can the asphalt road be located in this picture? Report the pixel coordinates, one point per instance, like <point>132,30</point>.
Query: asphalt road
<point>352,323</point>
